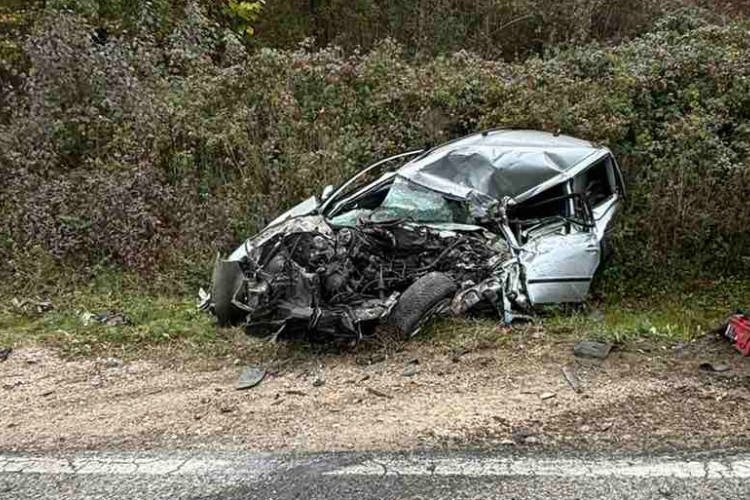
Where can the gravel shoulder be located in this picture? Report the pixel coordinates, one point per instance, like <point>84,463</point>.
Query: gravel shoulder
<point>644,396</point>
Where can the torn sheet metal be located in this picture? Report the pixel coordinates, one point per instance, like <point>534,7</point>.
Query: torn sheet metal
<point>313,281</point>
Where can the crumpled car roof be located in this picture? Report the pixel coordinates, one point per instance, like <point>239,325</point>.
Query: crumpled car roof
<point>498,163</point>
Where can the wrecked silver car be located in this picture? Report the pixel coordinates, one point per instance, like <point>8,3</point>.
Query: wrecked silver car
<point>494,222</point>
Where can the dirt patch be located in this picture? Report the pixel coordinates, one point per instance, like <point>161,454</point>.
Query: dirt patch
<point>646,395</point>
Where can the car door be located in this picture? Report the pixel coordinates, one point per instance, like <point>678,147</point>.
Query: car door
<point>560,262</point>
<point>561,257</point>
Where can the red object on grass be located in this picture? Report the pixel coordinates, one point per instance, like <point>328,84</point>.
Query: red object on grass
<point>738,331</point>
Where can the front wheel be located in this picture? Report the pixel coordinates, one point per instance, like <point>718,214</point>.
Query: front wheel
<point>421,301</point>
<point>228,278</point>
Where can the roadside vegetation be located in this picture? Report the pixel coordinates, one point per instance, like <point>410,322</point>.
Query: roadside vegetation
<point>139,138</point>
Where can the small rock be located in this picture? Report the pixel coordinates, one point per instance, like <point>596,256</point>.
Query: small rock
<point>679,348</point>
<point>665,491</point>
<point>547,395</point>
<point>318,382</point>
<point>520,435</point>
<point>227,409</point>
<point>413,361</point>
<point>5,352</point>
<point>47,393</point>
<point>410,372</point>
<point>584,429</point>
<point>11,425</point>
<point>378,393</point>
<point>377,358</point>
<point>597,315</point>
<point>112,363</point>
<point>371,360</point>
<point>714,367</point>
<point>197,417</point>
<point>457,354</point>
<point>532,440</point>
<point>535,332</point>
<point>590,349</point>
<point>485,360</point>
<point>294,392</point>
<point>507,442</point>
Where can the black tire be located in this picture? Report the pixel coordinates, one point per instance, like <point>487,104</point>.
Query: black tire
<point>227,279</point>
<point>419,302</point>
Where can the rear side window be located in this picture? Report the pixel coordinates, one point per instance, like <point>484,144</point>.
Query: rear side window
<point>594,183</point>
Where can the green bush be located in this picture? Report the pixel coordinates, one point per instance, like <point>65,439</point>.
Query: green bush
<point>148,154</point>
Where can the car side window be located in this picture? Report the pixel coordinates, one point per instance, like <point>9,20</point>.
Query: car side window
<point>594,183</point>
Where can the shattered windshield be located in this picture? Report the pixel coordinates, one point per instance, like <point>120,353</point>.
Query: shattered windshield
<point>409,201</point>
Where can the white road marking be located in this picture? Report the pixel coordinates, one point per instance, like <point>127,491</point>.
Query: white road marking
<point>249,466</point>
<point>736,468</point>
<point>131,463</point>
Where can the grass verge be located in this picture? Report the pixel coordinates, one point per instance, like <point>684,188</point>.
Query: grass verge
<point>174,325</point>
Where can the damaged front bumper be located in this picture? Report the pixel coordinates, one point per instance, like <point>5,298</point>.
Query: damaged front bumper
<point>310,281</point>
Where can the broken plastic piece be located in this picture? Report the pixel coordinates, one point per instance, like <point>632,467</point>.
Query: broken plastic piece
<point>251,377</point>
<point>738,332</point>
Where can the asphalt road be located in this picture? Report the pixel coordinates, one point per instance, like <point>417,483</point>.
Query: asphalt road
<point>360,475</point>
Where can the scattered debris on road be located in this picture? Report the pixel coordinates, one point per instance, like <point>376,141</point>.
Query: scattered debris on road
<point>371,360</point>
<point>522,436</point>
<point>31,307</point>
<point>591,349</point>
<point>714,367</point>
<point>251,377</point>
<point>112,363</point>
<point>378,393</point>
<point>108,318</point>
<point>547,395</point>
<point>570,376</point>
<point>456,354</point>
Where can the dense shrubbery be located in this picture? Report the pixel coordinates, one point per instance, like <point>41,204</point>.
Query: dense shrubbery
<point>492,28</point>
<point>148,153</point>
